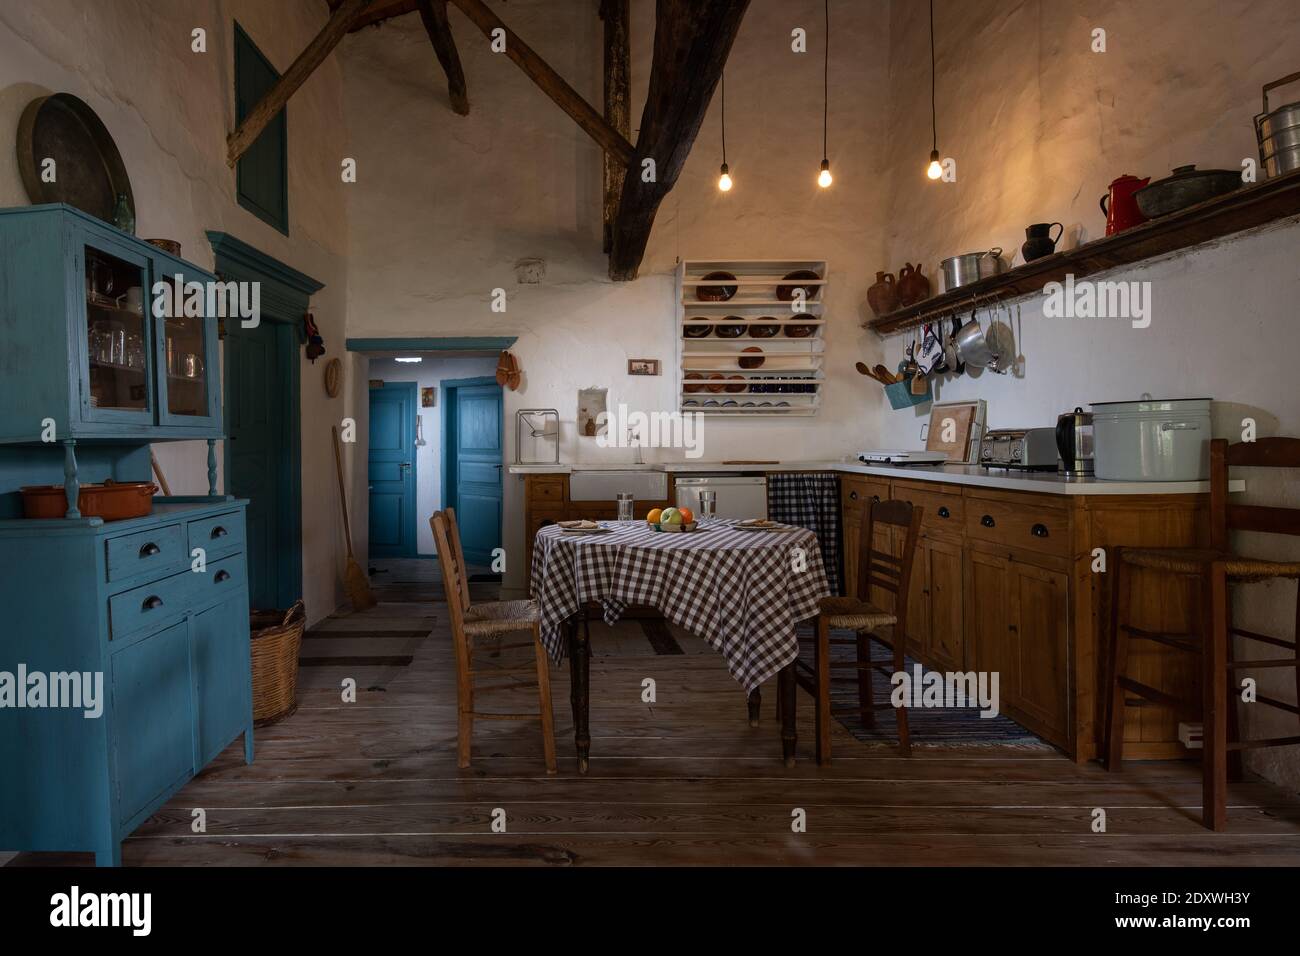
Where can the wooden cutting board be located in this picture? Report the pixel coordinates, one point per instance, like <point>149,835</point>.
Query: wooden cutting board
<point>953,422</point>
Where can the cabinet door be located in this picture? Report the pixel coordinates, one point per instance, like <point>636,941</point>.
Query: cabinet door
<point>115,354</point>
<point>918,603</point>
<point>990,628</point>
<point>222,689</point>
<point>153,727</point>
<point>1040,601</point>
<point>186,351</point>
<point>946,645</point>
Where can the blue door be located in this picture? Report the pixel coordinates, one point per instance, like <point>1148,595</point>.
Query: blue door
<point>392,470</point>
<point>472,449</point>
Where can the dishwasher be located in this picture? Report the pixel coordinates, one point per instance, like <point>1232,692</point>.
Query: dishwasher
<point>739,496</point>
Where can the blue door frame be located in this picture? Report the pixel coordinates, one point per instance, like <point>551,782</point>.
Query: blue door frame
<point>394,462</point>
<point>450,464</point>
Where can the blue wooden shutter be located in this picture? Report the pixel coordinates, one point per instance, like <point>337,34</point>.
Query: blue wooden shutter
<point>262,173</point>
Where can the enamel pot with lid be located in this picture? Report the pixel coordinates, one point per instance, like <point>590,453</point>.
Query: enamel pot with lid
<point>1152,439</point>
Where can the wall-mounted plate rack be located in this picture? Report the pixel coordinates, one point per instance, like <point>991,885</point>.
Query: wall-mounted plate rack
<point>754,353</point>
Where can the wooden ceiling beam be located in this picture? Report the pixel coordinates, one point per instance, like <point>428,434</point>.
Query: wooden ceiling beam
<point>378,12</point>
<point>692,41</point>
<point>618,111</point>
<point>268,106</point>
<point>434,15</point>
<point>551,83</point>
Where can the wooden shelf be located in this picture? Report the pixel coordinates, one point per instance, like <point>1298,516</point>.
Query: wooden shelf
<point>1247,208</point>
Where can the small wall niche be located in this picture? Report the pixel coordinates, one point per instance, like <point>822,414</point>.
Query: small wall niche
<point>592,403</point>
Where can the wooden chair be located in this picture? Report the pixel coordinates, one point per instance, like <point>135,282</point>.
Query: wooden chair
<point>876,568</point>
<point>1213,570</point>
<point>476,624</point>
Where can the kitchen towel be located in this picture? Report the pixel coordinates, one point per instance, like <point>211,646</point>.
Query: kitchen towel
<point>812,501</point>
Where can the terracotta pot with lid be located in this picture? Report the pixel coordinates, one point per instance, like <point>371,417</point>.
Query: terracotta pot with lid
<point>112,501</point>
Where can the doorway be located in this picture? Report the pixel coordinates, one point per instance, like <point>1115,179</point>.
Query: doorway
<point>392,473</point>
<point>472,444</point>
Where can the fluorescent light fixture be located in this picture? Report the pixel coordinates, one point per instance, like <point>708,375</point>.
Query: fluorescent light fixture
<point>409,358</point>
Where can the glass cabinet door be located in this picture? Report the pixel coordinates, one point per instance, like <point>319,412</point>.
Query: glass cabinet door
<point>118,341</point>
<point>189,367</point>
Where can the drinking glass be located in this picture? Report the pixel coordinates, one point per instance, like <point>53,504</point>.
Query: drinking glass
<point>708,504</point>
<point>626,502</point>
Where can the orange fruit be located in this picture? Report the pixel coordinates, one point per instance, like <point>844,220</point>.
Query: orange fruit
<point>654,515</point>
<point>687,515</point>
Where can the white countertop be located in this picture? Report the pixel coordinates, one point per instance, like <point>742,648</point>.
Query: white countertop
<point>975,475</point>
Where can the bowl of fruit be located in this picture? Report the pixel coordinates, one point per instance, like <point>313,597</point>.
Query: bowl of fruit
<point>671,519</point>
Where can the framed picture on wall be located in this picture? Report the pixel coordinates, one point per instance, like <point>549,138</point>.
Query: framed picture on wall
<point>643,367</point>
<point>427,394</point>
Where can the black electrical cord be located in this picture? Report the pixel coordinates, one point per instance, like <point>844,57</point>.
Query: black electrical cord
<point>934,126</point>
<point>724,117</point>
<point>826,77</point>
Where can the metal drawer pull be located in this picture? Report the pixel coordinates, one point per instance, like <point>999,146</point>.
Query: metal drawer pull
<point>944,512</point>
<point>219,532</point>
<point>149,550</point>
<point>875,497</point>
<point>222,575</point>
<point>987,521</point>
<point>1039,531</point>
<point>853,495</point>
<point>152,602</point>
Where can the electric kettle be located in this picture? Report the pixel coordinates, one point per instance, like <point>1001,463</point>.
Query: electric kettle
<point>1074,446</point>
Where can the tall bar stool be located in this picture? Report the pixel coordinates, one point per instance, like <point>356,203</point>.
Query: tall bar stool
<point>1215,570</point>
<point>876,568</point>
<point>482,624</point>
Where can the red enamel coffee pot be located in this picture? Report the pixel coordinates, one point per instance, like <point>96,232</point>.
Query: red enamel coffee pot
<point>1119,205</point>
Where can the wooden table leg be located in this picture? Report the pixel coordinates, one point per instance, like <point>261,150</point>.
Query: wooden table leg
<point>755,706</point>
<point>579,690</point>
<point>786,689</point>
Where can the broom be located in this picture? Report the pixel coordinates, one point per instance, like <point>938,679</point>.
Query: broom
<point>354,579</point>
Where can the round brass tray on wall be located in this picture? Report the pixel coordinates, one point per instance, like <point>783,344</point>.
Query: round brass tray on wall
<point>88,169</point>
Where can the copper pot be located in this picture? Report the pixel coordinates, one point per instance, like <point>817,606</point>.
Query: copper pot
<point>883,296</point>
<point>112,501</point>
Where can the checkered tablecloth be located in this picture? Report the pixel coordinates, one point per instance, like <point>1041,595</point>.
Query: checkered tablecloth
<point>741,591</point>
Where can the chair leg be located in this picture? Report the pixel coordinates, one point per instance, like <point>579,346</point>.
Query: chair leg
<point>1234,690</point>
<point>754,704</point>
<point>866,698</point>
<point>464,730</point>
<point>822,663</point>
<point>1214,763</point>
<point>900,664</point>
<point>1119,603</point>
<point>544,699</point>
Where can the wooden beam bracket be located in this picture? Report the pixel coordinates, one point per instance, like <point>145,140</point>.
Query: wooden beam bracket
<point>434,15</point>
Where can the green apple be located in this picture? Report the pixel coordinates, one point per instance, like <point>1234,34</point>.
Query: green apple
<point>670,516</point>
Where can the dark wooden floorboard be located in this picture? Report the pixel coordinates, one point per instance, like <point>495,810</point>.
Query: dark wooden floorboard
<point>682,781</point>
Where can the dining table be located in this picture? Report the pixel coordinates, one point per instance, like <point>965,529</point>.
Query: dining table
<point>740,588</point>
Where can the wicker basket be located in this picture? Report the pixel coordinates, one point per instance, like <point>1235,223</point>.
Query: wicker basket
<point>276,639</point>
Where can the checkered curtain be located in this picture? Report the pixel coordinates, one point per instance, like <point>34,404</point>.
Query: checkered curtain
<point>812,501</point>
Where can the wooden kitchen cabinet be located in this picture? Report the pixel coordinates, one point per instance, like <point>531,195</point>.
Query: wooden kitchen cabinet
<point>944,645</point>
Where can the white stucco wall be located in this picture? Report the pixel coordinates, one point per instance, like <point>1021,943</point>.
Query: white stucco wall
<point>169,111</point>
<point>447,204</point>
<point>430,374</point>
<point>1039,126</point>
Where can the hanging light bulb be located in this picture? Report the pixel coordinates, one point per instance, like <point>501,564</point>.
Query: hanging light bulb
<point>724,174</point>
<point>935,169</point>
<point>724,180</point>
<point>824,178</point>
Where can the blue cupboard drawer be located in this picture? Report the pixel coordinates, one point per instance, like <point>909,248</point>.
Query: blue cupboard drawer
<point>222,578</point>
<point>222,532</point>
<point>151,604</point>
<point>156,549</point>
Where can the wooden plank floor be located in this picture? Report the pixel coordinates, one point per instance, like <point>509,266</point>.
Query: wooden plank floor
<point>682,781</point>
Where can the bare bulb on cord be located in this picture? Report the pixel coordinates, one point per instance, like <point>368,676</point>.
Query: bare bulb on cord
<point>724,180</point>
<point>934,170</point>
<point>824,177</point>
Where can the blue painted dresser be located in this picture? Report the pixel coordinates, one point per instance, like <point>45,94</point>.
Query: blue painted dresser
<point>151,611</point>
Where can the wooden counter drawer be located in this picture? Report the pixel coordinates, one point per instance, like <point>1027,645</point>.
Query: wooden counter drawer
<point>223,532</point>
<point>156,549</point>
<point>856,491</point>
<point>1026,524</point>
<point>150,604</point>
<point>546,490</point>
<point>942,512</point>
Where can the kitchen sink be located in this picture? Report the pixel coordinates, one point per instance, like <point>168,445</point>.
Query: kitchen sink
<point>604,485</point>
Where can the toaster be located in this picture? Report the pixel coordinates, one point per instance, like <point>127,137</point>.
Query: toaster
<point>1024,449</point>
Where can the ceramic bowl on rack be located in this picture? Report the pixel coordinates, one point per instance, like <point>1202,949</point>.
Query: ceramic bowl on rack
<point>751,358</point>
<point>766,330</point>
<point>786,293</point>
<point>735,383</point>
<point>731,330</point>
<point>697,328</point>
<point>795,331</point>
<point>697,376</point>
<point>716,293</point>
<point>716,382</point>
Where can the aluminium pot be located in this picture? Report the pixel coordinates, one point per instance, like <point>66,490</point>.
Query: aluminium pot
<point>1278,132</point>
<point>971,267</point>
<point>1152,440</point>
<point>1186,187</point>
